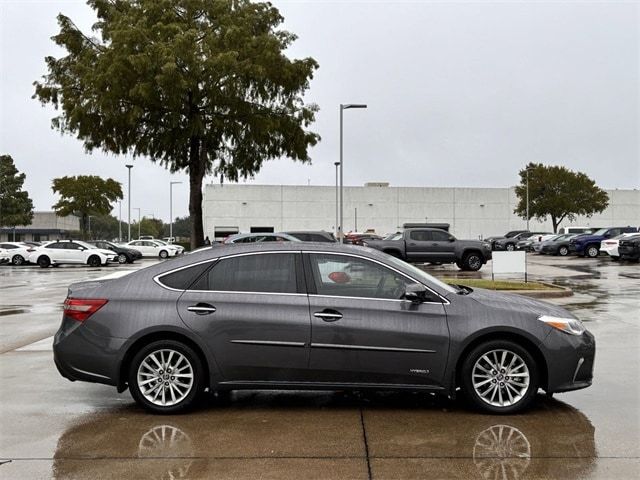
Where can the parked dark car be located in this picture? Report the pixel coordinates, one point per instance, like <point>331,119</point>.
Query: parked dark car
<point>432,245</point>
<point>588,244</point>
<point>125,255</point>
<point>509,234</point>
<point>319,236</point>
<point>273,316</point>
<point>557,246</point>
<point>629,248</point>
<point>509,244</point>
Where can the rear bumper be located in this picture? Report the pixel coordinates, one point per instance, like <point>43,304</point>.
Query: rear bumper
<point>80,354</point>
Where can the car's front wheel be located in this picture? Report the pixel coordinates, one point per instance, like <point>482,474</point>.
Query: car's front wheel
<point>17,260</point>
<point>164,254</point>
<point>563,251</point>
<point>472,262</point>
<point>166,377</point>
<point>94,261</point>
<point>510,247</point>
<point>500,376</point>
<point>122,258</point>
<point>592,251</point>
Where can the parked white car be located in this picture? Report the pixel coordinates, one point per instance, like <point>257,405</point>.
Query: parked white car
<point>153,248</point>
<point>18,252</point>
<point>610,245</point>
<point>179,248</point>
<point>71,252</point>
<point>4,256</point>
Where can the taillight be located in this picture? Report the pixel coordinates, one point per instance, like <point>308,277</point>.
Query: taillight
<point>79,309</point>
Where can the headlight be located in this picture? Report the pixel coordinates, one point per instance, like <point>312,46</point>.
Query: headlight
<point>571,326</point>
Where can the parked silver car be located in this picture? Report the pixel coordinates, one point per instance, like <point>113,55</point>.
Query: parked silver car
<point>314,316</point>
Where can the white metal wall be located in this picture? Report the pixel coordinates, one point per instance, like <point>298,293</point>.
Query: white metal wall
<point>470,211</point>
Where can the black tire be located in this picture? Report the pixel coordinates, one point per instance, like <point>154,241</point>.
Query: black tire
<point>44,261</point>
<point>191,398</point>
<point>528,395</point>
<point>592,251</point>
<point>123,258</point>
<point>17,260</point>
<point>510,247</point>
<point>472,262</point>
<point>163,254</point>
<point>94,261</point>
<point>563,251</point>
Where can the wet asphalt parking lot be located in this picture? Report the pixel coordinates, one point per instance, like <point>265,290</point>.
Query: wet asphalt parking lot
<point>53,428</point>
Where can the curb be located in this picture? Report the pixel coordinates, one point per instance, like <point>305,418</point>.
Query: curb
<point>557,292</point>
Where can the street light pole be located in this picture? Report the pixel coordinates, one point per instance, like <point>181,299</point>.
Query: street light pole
<point>337,164</point>
<point>342,108</point>
<point>528,199</point>
<point>119,221</point>
<point>129,202</point>
<point>171,184</point>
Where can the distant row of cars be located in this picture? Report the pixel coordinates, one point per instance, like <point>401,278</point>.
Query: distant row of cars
<point>617,242</point>
<point>93,253</point>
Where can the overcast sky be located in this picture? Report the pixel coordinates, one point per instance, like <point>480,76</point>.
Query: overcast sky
<point>459,94</point>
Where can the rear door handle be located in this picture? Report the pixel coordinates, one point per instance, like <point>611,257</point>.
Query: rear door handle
<point>328,315</point>
<point>202,309</point>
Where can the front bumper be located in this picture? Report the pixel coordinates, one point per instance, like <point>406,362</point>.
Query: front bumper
<point>570,361</point>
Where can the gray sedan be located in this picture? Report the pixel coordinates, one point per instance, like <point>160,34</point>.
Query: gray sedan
<point>314,316</point>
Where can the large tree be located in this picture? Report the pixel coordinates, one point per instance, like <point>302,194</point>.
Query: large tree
<point>202,86</point>
<point>85,195</point>
<point>559,193</point>
<point>16,208</point>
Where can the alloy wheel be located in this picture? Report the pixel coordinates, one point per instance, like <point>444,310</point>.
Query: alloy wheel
<point>500,378</point>
<point>165,377</point>
<point>17,260</point>
<point>122,258</point>
<point>510,247</point>
<point>563,251</point>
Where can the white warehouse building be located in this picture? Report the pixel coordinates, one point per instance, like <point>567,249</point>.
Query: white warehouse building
<point>471,212</point>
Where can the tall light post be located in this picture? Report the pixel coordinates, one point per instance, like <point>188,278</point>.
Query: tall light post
<point>344,107</point>
<point>129,167</point>
<point>136,208</point>
<point>119,221</point>
<point>171,184</point>
<point>337,164</point>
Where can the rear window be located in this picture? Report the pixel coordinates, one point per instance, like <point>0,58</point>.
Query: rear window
<point>184,278</point>
<point>264,273</point>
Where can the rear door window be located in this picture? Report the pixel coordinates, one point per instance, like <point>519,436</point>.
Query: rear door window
<point>421,235</point>
<point>262,273</point>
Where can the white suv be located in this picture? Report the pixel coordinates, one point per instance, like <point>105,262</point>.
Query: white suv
<point>72,252</point>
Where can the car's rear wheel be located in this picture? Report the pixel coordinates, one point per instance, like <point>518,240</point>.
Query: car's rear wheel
<point>472,262</point>
<point>500,376</point>
<point>164,254</point>
<point>17,260</point>
<point>592,251</point>
<point>94,261</point>
<point>166,377</point>
<point>44,261</point>
<point>563,251</point>
<point>122,258</point>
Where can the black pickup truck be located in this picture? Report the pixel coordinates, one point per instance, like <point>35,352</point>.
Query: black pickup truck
<point>432,245</point>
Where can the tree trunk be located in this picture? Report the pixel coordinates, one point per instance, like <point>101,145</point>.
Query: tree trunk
<point>196,175</point>
<point>555,224</point>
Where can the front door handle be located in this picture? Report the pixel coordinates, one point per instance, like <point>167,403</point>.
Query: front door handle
<point>202,309</point>
<point>328,315</point>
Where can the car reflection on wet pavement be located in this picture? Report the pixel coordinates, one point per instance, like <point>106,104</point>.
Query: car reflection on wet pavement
<point>52,428</point>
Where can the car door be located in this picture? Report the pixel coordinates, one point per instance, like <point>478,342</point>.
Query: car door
<point>418,246</point>
<point>253,312</point>
<point>362,332</point>
<point>74,253</point>
<point>443,246</point>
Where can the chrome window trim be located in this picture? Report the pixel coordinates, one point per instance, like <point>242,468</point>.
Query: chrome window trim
<point>370,347</point>
<point>322,252</point>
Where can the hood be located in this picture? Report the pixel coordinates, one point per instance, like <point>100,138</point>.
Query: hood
<point>105,252</point>
<point>520,303</point>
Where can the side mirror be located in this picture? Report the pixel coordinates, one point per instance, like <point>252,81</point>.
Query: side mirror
<point>415,293</point>
<point>452,239</point>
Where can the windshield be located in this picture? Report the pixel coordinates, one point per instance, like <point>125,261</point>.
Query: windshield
<point>85,245</point>
<point>420,275</point>
<point>602,231</point>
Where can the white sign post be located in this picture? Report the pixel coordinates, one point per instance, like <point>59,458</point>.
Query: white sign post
<point>509,262</point>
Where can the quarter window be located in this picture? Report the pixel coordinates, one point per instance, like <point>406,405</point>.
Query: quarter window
<point>183,279</point>
<point>355,277</point>
<point>264,273</point>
